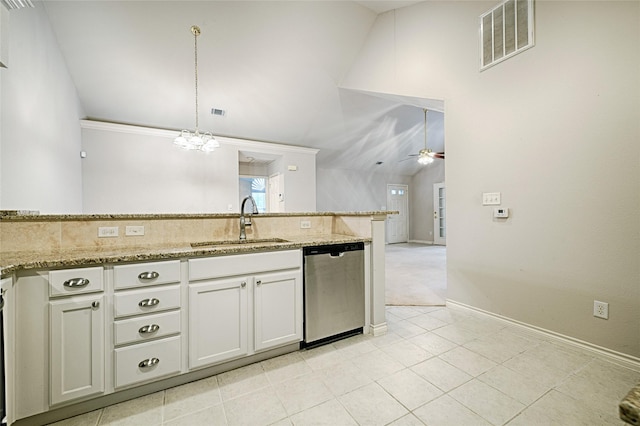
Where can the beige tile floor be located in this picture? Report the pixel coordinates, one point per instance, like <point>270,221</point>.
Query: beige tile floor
<point>435,366</point>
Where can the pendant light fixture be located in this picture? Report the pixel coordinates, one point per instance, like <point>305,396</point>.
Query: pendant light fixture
<point>425,156</point>
<point>196,140</point>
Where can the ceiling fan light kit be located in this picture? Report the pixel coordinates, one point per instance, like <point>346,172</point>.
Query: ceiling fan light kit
<point>425,156</point>
<point>204,142</point>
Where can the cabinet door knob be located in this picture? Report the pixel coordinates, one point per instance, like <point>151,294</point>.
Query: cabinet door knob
<point>148,275</point>
<point>95,304</point>
<point>148,302</point>
<point>76,282</point>
<point>258,282</point>
<point>243,284</point>
<point>148,329</point>
<point>147,363</point>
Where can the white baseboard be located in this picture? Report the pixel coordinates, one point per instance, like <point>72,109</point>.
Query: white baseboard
<point>421,242</point>
<point>378,329</point>
<point>623,359</point>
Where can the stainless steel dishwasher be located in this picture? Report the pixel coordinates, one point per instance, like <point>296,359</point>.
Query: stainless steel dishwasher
<point>333,292</point>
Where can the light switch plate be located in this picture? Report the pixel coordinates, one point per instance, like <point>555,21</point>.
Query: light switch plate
<point>491,198</point>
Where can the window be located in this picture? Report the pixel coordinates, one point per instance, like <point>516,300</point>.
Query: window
<point>255,186</point>
<point>505,31</point>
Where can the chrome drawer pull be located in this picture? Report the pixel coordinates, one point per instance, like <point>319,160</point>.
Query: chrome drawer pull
<point>76,282</point>
<point>148,329</point>
<point>148,275</point>
<point>243,284</point>
<point>147,363</point>
<point>95,304</point>
<point>258,282</point>
<point>148,302</point>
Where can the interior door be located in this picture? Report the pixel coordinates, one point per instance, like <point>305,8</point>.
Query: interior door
<point>397,224</point>
<point>439,214</point>
<point>276,193</point>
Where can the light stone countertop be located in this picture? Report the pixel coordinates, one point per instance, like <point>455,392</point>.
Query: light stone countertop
<point>11,262</point>
<point>629,408</point>
<point>26,215</point>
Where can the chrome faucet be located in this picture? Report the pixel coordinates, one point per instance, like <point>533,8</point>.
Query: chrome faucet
<point>244,222</point>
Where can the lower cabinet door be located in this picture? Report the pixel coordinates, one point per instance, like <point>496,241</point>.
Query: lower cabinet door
<point>146,361</point>
<point>77,348</point>
<point>217,321</point>
<point>277,309</point>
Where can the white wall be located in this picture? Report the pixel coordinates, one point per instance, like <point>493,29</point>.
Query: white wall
<point>351,190</point>
<point>132,169</point>
<point>555,130</point>
<point>40,165</point>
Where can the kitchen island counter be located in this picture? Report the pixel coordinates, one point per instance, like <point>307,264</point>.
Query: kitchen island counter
<point>15,261</point>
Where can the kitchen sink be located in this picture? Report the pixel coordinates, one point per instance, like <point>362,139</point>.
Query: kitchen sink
<point>238,242</point>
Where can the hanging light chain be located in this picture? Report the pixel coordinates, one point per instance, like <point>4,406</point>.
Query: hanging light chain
<point>195,141</point>
<point>195,30</point>
<point>425,128</point>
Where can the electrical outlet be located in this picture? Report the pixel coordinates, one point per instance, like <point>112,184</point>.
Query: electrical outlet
<point>600,309</point>
<point>134,230</point>
<point>305,224</point>
<point>107,231</point>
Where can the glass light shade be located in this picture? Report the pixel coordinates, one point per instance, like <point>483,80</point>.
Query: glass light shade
<point>181,140</point>
<point>210,143</point>
<point>425,157</point>
<point>195,141</point>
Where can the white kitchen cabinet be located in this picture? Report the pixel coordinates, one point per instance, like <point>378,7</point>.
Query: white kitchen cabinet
<point>111,328</point>
<point>146,301</point>
<point>146,327</point>
<point>145,274</point>
<point>277,309</point>
<point>147,308</point>
<point>243,304</point>
<point>71,282</point>
<point>76,347</point>
<point>147,361</point>
<point>217,321</point>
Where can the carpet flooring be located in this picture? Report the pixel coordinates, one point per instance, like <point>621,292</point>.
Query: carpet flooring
<point>416,274</point>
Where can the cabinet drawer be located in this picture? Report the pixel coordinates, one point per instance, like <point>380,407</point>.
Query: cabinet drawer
<point>145,328</point>
<point>145,274</point>
<point>242,264</point>
<point>135,302</point>
<point>162,358</point>
<point>66,282</point>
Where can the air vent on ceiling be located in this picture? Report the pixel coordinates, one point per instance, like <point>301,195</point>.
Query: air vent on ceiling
<point>505,31</point>
<point>219,112</point>
<point>17,4</point>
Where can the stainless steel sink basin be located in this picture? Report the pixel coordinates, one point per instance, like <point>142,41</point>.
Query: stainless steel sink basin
<point>238,242</point>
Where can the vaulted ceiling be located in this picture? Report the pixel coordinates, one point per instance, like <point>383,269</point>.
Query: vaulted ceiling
<point>274,67</point>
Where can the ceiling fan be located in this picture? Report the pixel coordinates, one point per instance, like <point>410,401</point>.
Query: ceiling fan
<point>426,155</point>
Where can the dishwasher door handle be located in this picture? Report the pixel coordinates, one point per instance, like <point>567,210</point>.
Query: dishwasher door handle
<point>337,255</point>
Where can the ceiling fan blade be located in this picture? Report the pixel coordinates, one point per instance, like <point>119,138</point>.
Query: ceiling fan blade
<point>405,159</point>
<point>438,155</point>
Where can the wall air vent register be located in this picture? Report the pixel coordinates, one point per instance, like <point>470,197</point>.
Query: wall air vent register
<point>505,31</point>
